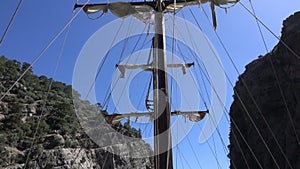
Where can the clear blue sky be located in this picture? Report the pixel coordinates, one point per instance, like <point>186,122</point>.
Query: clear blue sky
<point>37,22</point>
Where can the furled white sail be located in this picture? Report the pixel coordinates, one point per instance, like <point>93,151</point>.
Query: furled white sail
<point>121,10</point>
<point>143,11</point>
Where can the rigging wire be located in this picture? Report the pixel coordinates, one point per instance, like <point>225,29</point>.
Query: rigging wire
<point>182,166</point>
<point>193,150</point>
<point>184,159</point>
<point>108,93</point>
<point>172,80</point>
<point>231,60</point>
<point>276,76</point>
<point>220,40</point>
<point>239,148</point>
<point>251,119</point>
<point>107,99</point>
<point>223,143</point>
<point>174,41</point>
<point>149,108</point>
<point>144,43</point>
<point>206,108</point>
<point>147,96</point>
<point>105,102</point>
<point>193,45</point>
<point>228,112</point>
<point>264,25</point>
<point>99,70</point>
<point>67,25</point>
<point>47,95</point>
<point>37,58</point>
<point>258,26</point>
<point>10,22</point>
<point>189,141</point>
<point>243,103</point>
<point>103,61</point>
<point>130,73</point>
<point>141,98</point>
<point>214,152</point>
<point>199,94</point>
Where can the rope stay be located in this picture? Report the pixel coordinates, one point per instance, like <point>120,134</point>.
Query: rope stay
<point>114,118</point>
<point>248,89</point>
<point>222,141</point>
<point>11,21</point>
<point>277,81</point>
<point>144,10</point>
<point>228,111</point>
<point>38,57</point>
<point>267,28</point>
<point>47,95</point>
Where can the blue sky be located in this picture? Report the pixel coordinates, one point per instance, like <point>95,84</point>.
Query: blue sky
<point>37,22</point>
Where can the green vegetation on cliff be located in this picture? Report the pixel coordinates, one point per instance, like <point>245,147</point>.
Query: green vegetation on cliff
<point>30,104</point>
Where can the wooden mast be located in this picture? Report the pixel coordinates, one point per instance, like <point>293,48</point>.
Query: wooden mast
<point>162,113</point>
<point>162,132</point>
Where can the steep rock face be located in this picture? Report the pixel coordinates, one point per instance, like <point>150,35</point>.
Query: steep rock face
<point>265,114</point>
<point>60,141</point>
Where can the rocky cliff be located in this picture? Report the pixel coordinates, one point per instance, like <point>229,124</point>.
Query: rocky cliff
<point>265,114</point>
<point>59,140</point>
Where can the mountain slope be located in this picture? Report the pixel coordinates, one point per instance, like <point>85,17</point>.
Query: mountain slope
<point>60,141</point>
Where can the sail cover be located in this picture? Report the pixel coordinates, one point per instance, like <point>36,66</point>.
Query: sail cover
<point>143,11</point>
<point>121,10</point>
<point>180,4</point>
<point>193,116</point>
<point>183,3</point>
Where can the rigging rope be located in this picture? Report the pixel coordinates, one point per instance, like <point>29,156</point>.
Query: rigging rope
<point>47,95</point>
<point>99,70</point>
<point>204,100</point>
<point>251,119</point>
<point>264,25</point>
<point>130,73</point>
<point>251,98</point>
<point>182,157</point>
<point>102,63</point>
<point>214,90</point>
<point>190,106</point>
<point>277,79</point>
<point>10,22</point>
<point>223,143</point>
<point>172,71</point>
<point>94,81</point>
<point>107,99</point>
<point>108,93</point>
<point>249,91</point>
<point>37,58</point>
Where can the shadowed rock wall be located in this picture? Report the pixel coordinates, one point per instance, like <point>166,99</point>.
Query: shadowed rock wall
<point>265,114</point>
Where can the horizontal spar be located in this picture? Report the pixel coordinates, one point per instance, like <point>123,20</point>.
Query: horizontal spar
<point>143,10</point>
<point>193,116</point>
